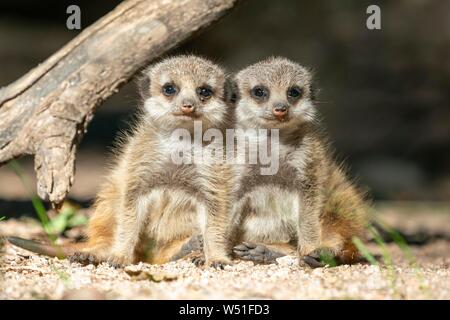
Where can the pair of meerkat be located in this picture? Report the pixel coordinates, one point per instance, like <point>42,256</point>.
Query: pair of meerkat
<point>307,207</point>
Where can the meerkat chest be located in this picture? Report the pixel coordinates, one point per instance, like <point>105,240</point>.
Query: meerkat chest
<point>287,169</point>
<point>172,214</point>
<point>176,165</point>
<point>271,215</point>
<point>172,206</point>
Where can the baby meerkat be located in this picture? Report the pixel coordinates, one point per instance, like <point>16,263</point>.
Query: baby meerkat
<point>147,198</point>
<point>308,206</point>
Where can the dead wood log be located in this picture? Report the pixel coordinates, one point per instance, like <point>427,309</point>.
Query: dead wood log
<point>46,112</point>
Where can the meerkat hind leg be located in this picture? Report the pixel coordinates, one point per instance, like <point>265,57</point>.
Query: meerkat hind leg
<point>268,254</point>
<point>194,245</point>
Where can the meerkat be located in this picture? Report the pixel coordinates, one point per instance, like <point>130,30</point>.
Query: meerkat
<point>147,198</point>
<point>308,207</point>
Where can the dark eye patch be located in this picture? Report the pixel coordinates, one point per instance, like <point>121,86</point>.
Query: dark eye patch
<point>205,92</point>
<point>295,92</point>
<point>169,89</point>
<point>259,92</point>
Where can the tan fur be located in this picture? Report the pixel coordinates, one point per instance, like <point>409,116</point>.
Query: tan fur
<point>165,253</point>
<point>149,206</point>
<point>150,197</point>
<point>309,204</point>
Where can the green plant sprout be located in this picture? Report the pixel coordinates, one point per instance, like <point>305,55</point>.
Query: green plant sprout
<point>37,203</point>
<point>52,227</point>
<point>66,218</point>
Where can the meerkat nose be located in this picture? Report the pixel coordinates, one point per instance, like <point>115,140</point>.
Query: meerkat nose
<point>279,111</point>
<point>187,108</point>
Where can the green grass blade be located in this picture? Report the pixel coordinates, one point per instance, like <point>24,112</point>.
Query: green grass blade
<point>328,259</point>
<point>38,206</point>
<point>41,212</point>
<point>364,251</point>
<point>387,258</point>
<point>399,241</point>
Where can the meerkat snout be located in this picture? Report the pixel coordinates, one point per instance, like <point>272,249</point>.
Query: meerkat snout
<point>187,109</point>
<point>280,110</point>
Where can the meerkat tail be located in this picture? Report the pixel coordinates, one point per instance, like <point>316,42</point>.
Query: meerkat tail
<point>44,249</point>
<point>344,216</point>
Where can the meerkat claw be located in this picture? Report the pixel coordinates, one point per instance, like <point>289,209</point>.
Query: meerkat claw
<point>84,258</point>
<point>198,261</point>
<point>218,264</point>
<point>117,262</point>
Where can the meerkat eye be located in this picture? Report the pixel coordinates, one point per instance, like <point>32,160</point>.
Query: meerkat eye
<point>169,89</point>
<point>204,92</point>
<point>259,92</point>
<point>295,92</point>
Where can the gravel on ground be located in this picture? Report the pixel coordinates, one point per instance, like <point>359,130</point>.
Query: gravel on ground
<point>29,276</point>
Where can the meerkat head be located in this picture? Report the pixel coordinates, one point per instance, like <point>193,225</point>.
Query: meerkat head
<point>273,93</point>
<point>179,90</point>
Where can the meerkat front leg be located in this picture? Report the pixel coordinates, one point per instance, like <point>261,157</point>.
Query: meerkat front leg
<point>308,235</point>
<point>131,224</point>
<point>311,249</point>
<point>215,237</point>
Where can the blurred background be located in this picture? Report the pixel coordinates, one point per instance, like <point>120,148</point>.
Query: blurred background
<point>384,94</point>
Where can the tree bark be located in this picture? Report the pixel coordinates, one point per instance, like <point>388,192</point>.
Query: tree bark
<point>46,112</point>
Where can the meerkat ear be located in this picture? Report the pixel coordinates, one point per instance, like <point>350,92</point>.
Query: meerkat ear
<point>231,90</point>
<point>143,84</point>
<point>313,91</point>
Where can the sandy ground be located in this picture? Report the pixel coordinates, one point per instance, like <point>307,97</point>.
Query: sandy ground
<point>29,276</point>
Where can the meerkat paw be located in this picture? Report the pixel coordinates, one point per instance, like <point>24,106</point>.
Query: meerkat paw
<point>318,258</point>
<point>197,258</point>
<point>200,261</point>
<point>84,258</point>
<point>256,252</point>
<point>218,263</point>
<point>118,261</point>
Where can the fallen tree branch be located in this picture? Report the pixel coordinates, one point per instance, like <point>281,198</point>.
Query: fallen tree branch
<point>46,112</point>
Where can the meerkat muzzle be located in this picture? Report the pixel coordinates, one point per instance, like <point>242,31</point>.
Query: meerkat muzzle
<point>187,109</point>
<point>280,112</point>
